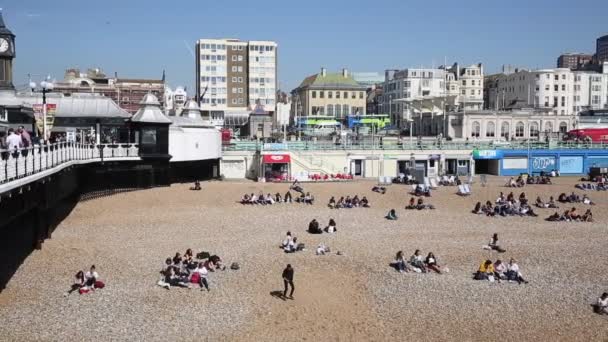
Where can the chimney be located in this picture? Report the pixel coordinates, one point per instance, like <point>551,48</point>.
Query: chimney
<point>345,73</point>
<point>323,72</point>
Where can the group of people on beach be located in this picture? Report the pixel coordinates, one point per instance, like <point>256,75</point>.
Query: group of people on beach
<point>314,228</point>
<point>86,282</point>
<point>348,202</point>
<point>417,263</point>
<point>498,271</point>
<point>268,199</point>
<point>571,215</point>
<point>290,244</point>
<point>506,206</point>
<point>182,271</point>
<point>516,183</point>
<point>538,180</point>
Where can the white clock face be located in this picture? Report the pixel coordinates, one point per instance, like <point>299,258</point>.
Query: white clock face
<point>3,45</point>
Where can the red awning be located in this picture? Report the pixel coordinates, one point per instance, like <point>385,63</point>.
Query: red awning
<point>277,158</point>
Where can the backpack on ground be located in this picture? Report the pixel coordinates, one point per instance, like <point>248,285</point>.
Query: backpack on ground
<point>203,255</point>
<point>235,266</point>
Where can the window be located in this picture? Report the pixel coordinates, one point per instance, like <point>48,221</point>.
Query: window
<point>240,90</point>
<point>338,109</point>
<point>234,90</point>
<point>345,94</point>
<point>240,57</point>
<point>234,68</point>
<point>234,58</point>
<point>240,69</point>
<point>563,87</point>
<point>322,94</point>
<point>549,127</point>
<point>330,109</point>
<point>234,79</point>
<point>360,94</point>
<point>557,77</point>
<point>240,80</point>
<point>556,87</point>
<point>534,130</point>
<point>563,101</point>
<point>337,94</point>
<point>345,110</point>
<point>472,82</point>
<point>563,127</point>
<point>330,94</point>
<point>233,48</point>
<point>464,82</point>
<point>490,128</point>
<point>464,92</point>
<point>519,129</point>
<point>233,101</point>
<point>555,101</point>
<point>472,91</point>
<point>353,95</point>
<point>563,76</point>
<point>547,87</point>
<point>475,129</point>
<point>504,130</point>
<point>314,94</point>
<point>462,163</point>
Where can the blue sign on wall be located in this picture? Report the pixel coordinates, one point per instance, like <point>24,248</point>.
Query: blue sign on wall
<point>571,164</point>
<point>542,163</point>
<point>487,154</point>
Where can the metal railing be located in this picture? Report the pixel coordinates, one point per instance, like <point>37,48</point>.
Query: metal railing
<point>424,145</point>
<point>20,163</point>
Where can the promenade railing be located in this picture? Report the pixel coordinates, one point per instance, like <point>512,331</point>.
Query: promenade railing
<point>424,145</point>
<point>20,163</point>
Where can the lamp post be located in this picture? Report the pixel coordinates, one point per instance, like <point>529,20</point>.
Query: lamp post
<point>46,86</point>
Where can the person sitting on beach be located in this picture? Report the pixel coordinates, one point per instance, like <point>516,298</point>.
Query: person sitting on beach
<point>331,226</point>
<point>301,198</point>
<point>510,197</point>
<point>551,203</point>
<point>91,279</point>
<point>499,270</point>
<point>332,203</point>
<point>287,240</point>
<point>574,198</point>
<point>574,216</point>
<point>392,215</point>
<point>511,183</point>
<point>420,205</point>
<point>356,201</point>
<point>587,200</point>
<point>199,276</point>
<point>485,271</point>
<point>522,198</point>
<point>562,198</point>
<point>309,199</point>
<point>417,262</point>
<point>197,186</point>
<point>493,244</point>
<point>411,204</point>
<point>245,199</point>
<point>348,202</point>
<point>400,263</point>
<point>292,246</point>
<point>520,182</point>
<point>477,210</point>
<point>253,199</point>
<point>513,273</point>
<point>295,186</point>
<point>188,259</point>
<point>78,284</point>
<point>322,249</point>
<point>431,263</point>
<point>554,217</point>
<point>172,279</point>
<point>488,209</point>
<point>587,216</point>
<point>278,198</point>
<point>340,203</point>
<point>540,204</point>
<point>313,227</point>
<point>379,189</point>
<point>288,198</point>
<point>364,202</point>
<point>269,199</point>
<point>601,306</point>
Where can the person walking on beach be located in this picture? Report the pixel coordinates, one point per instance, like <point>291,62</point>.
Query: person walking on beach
<point>288,280</point>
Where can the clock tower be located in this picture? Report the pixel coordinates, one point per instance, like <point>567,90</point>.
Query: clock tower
<point>7,54</point>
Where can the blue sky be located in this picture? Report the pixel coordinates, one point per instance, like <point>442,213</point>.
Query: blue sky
<point>141,38</point>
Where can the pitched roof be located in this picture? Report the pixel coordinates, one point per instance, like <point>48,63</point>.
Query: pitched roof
<point>77,105</point>
<point>330,80</point>
<point>3,29</point>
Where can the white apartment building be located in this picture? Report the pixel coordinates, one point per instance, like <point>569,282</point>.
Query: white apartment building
<point>412,93</point>
<point>559,91</point>
<point>235,78</point>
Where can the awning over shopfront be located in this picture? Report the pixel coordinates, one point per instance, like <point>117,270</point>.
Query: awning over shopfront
<point>277,158</point>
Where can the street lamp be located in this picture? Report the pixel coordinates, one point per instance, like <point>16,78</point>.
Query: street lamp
<point>46,86</point>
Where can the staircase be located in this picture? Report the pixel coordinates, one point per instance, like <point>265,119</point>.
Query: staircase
<point>312,165</point>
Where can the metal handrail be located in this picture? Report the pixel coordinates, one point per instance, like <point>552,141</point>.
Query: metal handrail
<point>22,162</point>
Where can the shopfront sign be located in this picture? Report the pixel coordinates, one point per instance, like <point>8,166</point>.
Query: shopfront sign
<point>487,154</point>
<point>277,158</point>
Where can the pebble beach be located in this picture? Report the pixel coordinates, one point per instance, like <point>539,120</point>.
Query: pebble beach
<point>354,296</point>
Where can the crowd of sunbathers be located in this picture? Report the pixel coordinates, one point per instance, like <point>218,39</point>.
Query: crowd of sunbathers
<point>418,204</point>
<point>183,271</point>
<point>516,183</point>
<point>277,198</point>
<point>538,180</point>
<point>348,202</point>
<point>506,206</point>
<point>417,263</point>
<point>600,186</point>
<point>379,189</point>
<point>574,198</point>
<point>572,215</point>
<point>498,271</point>
<point>86,282</point>
<point>314,228</point>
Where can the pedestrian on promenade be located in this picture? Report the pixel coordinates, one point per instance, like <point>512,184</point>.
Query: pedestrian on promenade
<point>288,280</point>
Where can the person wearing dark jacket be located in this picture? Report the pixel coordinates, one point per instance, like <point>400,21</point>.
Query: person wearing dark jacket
<point>288,281</point>
<point>313,227</point>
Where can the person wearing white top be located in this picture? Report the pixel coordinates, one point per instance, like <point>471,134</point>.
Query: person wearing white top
<point>513,273</point>
<point>203,272</point>
<point>13,140</point>
<point>287,240</point>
